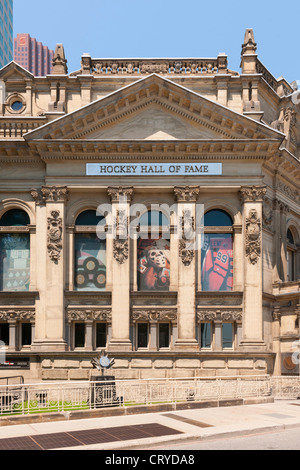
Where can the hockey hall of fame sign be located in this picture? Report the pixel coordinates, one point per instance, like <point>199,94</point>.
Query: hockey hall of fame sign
<point>154,169</point>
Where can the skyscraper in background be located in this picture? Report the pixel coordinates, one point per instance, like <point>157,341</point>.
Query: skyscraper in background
<point>32,55</point>
<point>6,32</point>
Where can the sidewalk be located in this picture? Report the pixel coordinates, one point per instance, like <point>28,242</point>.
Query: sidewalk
<point>144,431</point>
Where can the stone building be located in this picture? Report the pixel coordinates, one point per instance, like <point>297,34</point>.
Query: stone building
<point>85,156</point>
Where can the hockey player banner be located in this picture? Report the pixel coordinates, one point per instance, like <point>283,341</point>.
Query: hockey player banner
<point>217,262</point>
<point>153,264</point>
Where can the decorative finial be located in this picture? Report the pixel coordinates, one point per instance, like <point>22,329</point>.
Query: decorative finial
<point>59,61</point>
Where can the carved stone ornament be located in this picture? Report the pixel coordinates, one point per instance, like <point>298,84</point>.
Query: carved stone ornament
<point>50,194</point>
<point>121,250</point>
<point>186,193</point>
<point>186,244</point>
<point>253,237</point>
<point>253,193</point>
<point>17,314</point>
<point>54,245</point>
<point>154,315</point>
<point>118,194</point>
<point>220,315</point>
<point>268,214</point>
<point>86,314</point>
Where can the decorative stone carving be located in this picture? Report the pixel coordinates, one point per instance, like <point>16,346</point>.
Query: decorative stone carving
<point>118,193</point>
<point>186,193</point>
<point>253,237</point>
<point>94,314</point>
<point>253,193</point>
<point>154,315</point>
<point>50,194</point>
<point>268,214</point>
<point>286,121</point>
<point>121,250</point>
<point>16,314</point>
<point>186,243</point>
<point>54,245</point>
<point>220,315</point>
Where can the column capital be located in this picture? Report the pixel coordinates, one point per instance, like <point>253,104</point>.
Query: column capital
<point>252,193</point>
<point>186,193</point>
<point>50,194</point>
<point>118,193</point>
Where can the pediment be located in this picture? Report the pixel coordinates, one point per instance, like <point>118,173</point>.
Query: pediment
<point>153,108</point>
<point>14,71</point>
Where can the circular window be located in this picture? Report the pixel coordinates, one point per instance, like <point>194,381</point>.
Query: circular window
<point>17,105</point>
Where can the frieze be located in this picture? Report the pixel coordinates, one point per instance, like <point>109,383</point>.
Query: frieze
<point>15,314</point>
<point>219,315</point>
<point>90,314</point>
<point>154,315</point>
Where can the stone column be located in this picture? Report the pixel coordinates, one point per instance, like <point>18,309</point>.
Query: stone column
<point>277,270</point>
<point>120,198</point>
<point>283,235</point>
<point>186,199</point>
<point>276,341</point>
<point>252,199</point>
<point>50,268</point>
<point>89,335</point>
<point>12,335</point>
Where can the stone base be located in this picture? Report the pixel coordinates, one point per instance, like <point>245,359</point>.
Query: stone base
<point>49,346</point>
<point>186,345</point>
<point>252,345</point>
<point>119,345</point>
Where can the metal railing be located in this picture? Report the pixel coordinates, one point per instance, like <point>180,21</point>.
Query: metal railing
<point>24,399</point>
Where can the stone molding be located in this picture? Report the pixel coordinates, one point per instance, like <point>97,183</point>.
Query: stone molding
<point>89,314</point>
<point>154,315</point>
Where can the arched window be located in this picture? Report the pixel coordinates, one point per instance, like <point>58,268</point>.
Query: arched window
<point>90,253</point>
<point>291,256</point>
<point>14,251</point>
<point>153,252</point>
<point>217,252</point>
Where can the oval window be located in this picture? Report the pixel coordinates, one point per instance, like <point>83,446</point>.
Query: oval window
<point>17,105</point>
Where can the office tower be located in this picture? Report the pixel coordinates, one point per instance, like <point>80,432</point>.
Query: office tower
<point>32,55</point>
<point>6,32</point>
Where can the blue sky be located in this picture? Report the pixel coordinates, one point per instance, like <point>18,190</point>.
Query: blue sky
<point>166,28</point>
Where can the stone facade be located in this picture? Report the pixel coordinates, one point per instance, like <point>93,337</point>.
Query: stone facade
<point>147,114</point>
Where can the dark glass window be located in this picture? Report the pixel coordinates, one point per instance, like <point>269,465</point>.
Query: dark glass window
<point>164,335</point>
<point>217,218</point>
<point>4,333</point>
<point>205,335</point>
<point>142,335</point>
<point>15,218</point>
<point>17,106</point>
<point>26,334</point>
<point>101,335</point>
<point>290,237</point>
<point>79,335</point>
<point>88,218</point>
<point>227,335</point>
<point>154,219</point>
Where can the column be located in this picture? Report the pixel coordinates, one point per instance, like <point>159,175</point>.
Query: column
<point>252,199</point>
<point>12,335</point>
<point>89,335</point>
<point>186,199</point>
<point>50,268</point>
<point>120,198</point>
<point>276,341</point>
<point>277,270</point>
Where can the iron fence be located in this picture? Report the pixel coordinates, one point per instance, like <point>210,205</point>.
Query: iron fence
<point>23,399</point>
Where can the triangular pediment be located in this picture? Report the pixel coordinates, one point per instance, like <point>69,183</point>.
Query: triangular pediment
<point>153,108</point>
<point>14,71</point>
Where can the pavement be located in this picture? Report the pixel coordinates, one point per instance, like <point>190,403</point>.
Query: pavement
<point>151,430</point>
